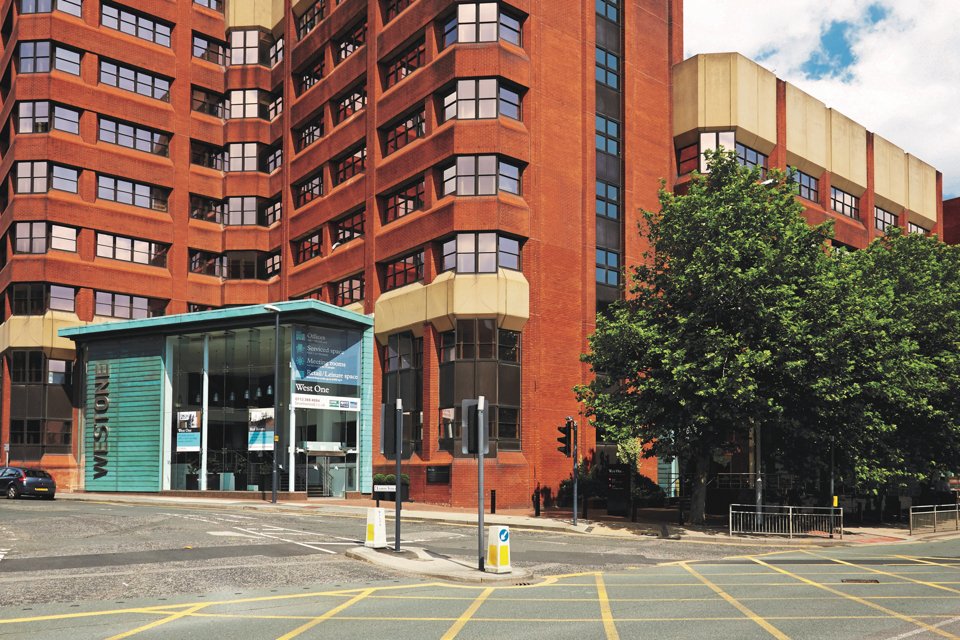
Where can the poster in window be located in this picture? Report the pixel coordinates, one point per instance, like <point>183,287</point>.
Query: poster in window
<point>326,369</point>
<point>188,431</point>
<point>260,434</point>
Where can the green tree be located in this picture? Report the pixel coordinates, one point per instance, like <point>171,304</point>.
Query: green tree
<point>715,338</point>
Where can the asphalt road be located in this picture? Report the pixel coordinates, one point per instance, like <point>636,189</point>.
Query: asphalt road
<point>98,570</point>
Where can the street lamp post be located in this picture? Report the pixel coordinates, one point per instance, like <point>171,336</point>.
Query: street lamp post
<point>276,394</point>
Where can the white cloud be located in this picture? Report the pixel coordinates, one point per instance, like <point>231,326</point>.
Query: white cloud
<point>904,83</point>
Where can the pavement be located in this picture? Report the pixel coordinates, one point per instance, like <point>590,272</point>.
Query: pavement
<point>419,562</point>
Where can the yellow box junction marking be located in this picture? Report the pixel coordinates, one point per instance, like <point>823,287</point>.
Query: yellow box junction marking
<point>469,613</point>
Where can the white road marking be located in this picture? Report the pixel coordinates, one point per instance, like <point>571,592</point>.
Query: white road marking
<point>235,534</point>
<point>296,542</point>
<point>910,634</point>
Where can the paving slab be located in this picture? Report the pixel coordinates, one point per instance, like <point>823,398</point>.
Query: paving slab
<point>420,562</point>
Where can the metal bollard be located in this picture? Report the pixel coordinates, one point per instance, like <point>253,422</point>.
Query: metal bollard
<point>493,500</point>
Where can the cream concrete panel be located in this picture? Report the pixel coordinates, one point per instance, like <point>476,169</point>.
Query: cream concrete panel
<point>356,307</point>
<point>889,174</point>
<point>505,295</point>
<point>717,92</point>
<point>686,96</point>
<point>848,153</point>
<point>40,332</point>
<point>755,104</point>
<point>921,192</point>
<point>254,13</point>
<point>808,132</point>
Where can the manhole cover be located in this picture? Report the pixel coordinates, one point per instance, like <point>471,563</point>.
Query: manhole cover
<point>859,581</point>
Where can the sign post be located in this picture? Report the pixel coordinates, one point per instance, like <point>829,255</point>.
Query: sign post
<point>474,425</point>
<point>398,496</point>
<point>574,435</point>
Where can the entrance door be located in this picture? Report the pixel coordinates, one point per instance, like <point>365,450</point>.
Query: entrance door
<point>326,476</point>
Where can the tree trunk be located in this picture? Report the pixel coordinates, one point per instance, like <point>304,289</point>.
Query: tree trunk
<point>698,497</point>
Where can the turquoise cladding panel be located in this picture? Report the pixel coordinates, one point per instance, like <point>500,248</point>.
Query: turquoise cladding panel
<point>365,445</point>
<point>123,415</point>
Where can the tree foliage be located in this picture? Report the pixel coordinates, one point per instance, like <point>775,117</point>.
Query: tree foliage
<point>741,317</point>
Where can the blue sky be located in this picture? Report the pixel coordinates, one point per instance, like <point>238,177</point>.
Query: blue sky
<point>891,65</point>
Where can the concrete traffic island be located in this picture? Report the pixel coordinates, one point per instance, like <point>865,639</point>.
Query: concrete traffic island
<point>422,563</point>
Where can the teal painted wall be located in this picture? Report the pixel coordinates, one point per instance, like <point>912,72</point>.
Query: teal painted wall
<point>133,415</point>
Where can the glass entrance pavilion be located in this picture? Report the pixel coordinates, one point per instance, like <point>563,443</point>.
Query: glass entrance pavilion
<point>194,402</point>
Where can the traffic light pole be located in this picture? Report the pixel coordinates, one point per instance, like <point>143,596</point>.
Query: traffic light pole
<point>573,434</point>
<point>481,441</point>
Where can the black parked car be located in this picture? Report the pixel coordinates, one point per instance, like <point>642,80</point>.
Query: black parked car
<point>22,481</point>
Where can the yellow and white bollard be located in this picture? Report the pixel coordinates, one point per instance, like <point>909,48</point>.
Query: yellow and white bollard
<point>498,549</point>
<point>376,529</point>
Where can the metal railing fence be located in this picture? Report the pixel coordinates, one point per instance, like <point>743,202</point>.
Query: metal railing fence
<point>938,517</point>
<point>774,520</point>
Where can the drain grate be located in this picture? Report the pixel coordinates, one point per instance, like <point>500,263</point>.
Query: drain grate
<point>859,581</point>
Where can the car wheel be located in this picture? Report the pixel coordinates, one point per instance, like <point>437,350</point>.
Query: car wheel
<point>49,497</point>
<point>12,492</point>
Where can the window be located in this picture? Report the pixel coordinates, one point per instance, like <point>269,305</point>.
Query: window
<point>392,8</point>
<point>608,200</point>
<point>27,366</point>
<point>135,250</point>
<point>608,136</point>
<point>272,159</point>
<point>807,186</point>
<point>38,237</point>
<point>481,22</point>
<point>403,380</point>
<point>241,210</point>
<point>608,267</point>
<point>275,107</point>
<point>134,137</point>
<point>349,104</point>
<point>40,406</point>
<point>245,47</point>
<point>845,203</point>
<point>208,155</point>
<point>483,98</point>
<point>609,9</point>
<point>915,228</point>
<point>35,299</point>
<point>121,305</point>
<point>275,52</point>
<point>307,248</point>
<point>135,24</point>
<point>250,103</point>
<point>129,79</point>
<point>208,264</point>
<point>608,68</point>
<point>206,48</point>
<point>348,227</point>
<point>309,75</point>
<point>309,133</point>
<point>480,253</point>
<point>272,211</point>
<point>242,156</point>
<point>352,40</point>
<point>208,102</point>
<point>688,159</point>
<point>405,200</point>
<point>248,265</point>
<point>66,119</point>
<point>216,5</point>
<point>308,190</point>
<point>403,271</point>
<point>883,219</point>
<point>271,265</point>
<point>310,18</point>
<point>137,194</point>
<point>66,60</point>
<point>348,290</point>
<point>404,132</point>
<point>404,64</point>
<point>481,175</point>
<point>34,57</point>
<point>202,208</point>
<point>713,141</point>
<point>33,117</point>
<point>748,157</point>
<point>352,164</point>
<point>477,359</point>
<point>64,178</point>
<point>32,177</point>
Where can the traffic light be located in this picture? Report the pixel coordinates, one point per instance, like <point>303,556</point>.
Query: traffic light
<point>564,439</point>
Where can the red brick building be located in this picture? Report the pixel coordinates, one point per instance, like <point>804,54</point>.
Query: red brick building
<point>428,161</point>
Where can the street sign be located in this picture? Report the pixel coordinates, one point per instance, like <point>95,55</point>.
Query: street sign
<point>385,488</point>
<point>470,431</point>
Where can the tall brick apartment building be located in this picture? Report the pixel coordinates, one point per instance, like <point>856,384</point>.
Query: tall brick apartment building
<point>428,161</point>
